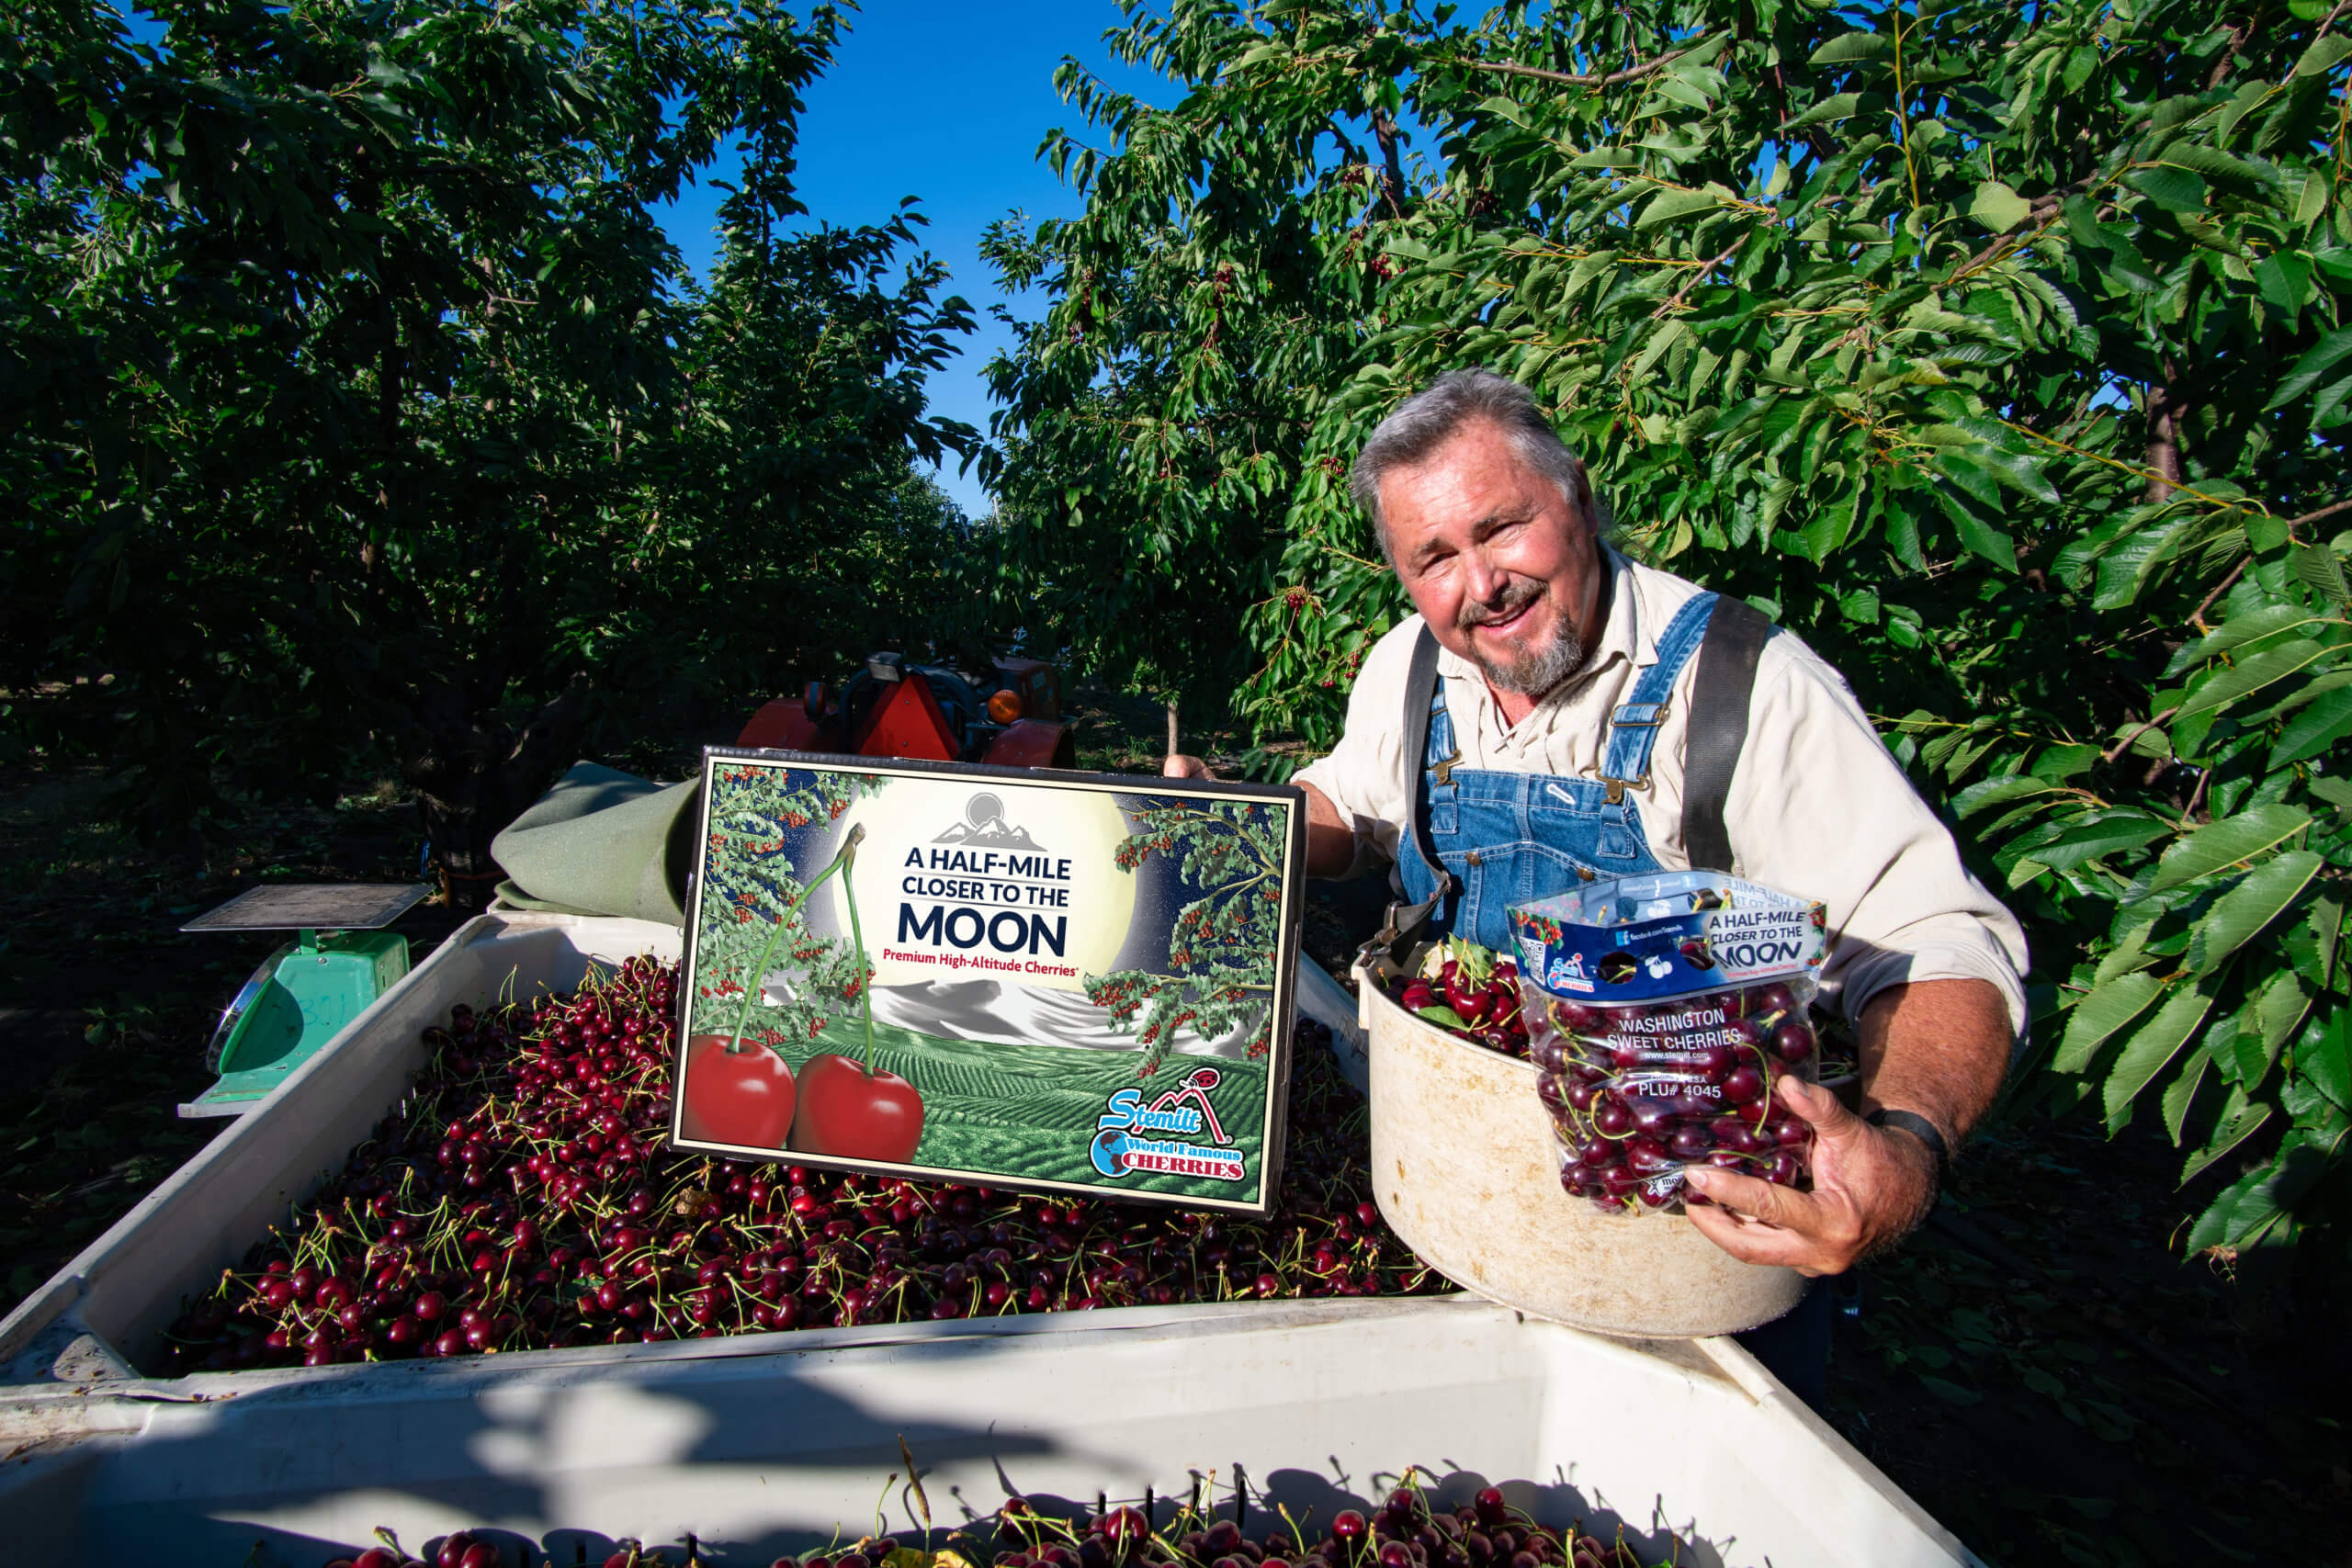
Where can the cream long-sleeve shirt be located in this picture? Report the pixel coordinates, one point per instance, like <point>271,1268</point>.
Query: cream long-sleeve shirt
<point>1819,807</point>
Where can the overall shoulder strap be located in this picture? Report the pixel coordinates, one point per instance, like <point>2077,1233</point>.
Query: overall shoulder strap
<point>1718,729</point>
<point>1406,922</point>
<point>1633,724</point>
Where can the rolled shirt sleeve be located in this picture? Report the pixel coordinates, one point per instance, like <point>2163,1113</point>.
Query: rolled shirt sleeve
<point>1819,808</point>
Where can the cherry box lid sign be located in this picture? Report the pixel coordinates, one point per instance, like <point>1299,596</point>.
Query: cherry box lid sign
<point>1641,938</point>
<point>1064,981</point>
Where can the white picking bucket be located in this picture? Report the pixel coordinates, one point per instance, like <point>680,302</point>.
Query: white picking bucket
<point>1465,1171</point>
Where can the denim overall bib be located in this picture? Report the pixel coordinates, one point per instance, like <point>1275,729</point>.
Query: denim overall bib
<point>1511,838</point>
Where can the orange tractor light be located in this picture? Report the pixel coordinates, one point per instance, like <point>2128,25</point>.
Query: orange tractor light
<point>1004,706</point>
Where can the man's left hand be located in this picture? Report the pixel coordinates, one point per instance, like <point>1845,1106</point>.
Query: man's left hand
<point>1871,1187</point>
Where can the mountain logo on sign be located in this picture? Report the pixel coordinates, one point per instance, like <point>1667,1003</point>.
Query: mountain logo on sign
<point>984,827</point>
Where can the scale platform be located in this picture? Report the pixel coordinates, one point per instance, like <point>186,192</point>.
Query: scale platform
<point>339,963</point>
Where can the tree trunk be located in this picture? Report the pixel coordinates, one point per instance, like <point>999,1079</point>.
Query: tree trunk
<point>2167,404</point>
<point>473,779</point>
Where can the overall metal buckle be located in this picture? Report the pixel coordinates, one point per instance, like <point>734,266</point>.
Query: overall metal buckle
<point>1633,716</point>
<point>1617,788</point>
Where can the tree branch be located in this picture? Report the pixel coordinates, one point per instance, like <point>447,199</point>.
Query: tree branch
<point>1393,179</point>
<point>2116,749</point>
<point>1697,275</point>
<point>2229,56</point>
<point>2197,617</point>
<point>2321,516</point>
<point>1608,79</point>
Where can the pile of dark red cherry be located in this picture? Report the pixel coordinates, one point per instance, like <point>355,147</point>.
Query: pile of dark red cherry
<point>1473,993</point>
<point>522,1196</point>
<point>1407,1531</point>
<point>1640,1093</point>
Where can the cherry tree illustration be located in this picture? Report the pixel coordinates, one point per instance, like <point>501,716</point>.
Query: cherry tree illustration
<point>1221,948</point>
<point>753,917</point>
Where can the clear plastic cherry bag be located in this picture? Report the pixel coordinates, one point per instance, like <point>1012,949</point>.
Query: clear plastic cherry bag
<point>1661,1011</point>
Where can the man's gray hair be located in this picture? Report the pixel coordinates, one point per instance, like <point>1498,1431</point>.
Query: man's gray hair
<point>1436,413</point>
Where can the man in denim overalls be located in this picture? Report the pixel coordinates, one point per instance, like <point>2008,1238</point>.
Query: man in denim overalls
<point>1589,717</point>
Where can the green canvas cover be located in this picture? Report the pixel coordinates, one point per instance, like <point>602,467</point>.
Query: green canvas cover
<point>601,842</point>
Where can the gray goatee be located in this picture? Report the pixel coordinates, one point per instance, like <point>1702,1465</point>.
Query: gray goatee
<point>1539,669</point>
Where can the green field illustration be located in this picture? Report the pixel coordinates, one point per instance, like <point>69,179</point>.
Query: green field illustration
<point>1033,1109</point>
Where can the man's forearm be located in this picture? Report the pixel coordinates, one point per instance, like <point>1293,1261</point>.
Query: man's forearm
<point>1330,839</point>
<point>1936,1047</point>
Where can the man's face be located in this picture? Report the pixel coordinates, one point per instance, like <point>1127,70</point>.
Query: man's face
<point>1496,559</point>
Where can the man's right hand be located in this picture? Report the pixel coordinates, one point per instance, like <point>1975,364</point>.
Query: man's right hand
<point>1179,766</point>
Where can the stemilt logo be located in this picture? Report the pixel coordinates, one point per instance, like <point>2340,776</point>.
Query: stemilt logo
<point>1121,1149</point>
<point>985,894</point>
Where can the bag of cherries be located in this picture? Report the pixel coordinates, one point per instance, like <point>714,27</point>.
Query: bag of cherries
<point>1660,1010</point>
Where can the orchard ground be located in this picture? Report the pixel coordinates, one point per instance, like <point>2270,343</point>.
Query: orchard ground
<point>2040,1369</point>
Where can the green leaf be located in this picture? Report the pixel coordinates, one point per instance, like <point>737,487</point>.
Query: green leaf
<point>2111,835</point>
<point>2284,281</point>
<point>1949,1390</point>
<point>2278,1012</point>
<point>2237,631</point>
<point>2152,1045</point>
<point>2323,56</point>
<point>1837,106</point>
<point>2175,190</point>
<point>2227,842</point>
<point>2240,1118</point>
<point>2317,564</point>
<point>2182,1092</point>
<point>1998,208</point>
<point>2327,1064</point>
<point>2314,729</point>
<point>2222,687</point>
<point>1983,539</point>
<point>2245,1210</point>
<point>1847,47</point>
<point>2097,1016</point>
<point>2316,362</point>
<point>1990,792</point>
<point>1443,1016</point>
<point>1668,205</point>
<point>2253,904</point>
<point>2232,174</point>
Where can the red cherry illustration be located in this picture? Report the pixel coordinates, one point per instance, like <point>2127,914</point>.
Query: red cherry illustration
<point>850,1115</point>
<point>737,1097</point>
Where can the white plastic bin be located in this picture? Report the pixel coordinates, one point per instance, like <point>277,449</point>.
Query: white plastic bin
<point>775,1443</point>
<point>767,1443</point>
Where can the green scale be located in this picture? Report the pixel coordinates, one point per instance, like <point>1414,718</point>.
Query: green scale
<point>340,961</point>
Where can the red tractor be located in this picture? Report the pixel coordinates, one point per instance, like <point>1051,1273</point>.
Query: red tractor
<point>892,709</point>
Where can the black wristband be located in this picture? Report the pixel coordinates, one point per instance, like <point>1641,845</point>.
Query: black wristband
<point>1920,1127</point>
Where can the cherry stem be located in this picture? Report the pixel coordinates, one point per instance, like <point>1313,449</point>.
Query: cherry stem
<point>847,855</point>
<point>857,936</point>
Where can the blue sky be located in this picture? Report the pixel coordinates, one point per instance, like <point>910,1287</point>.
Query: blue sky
<point>946,102</point>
